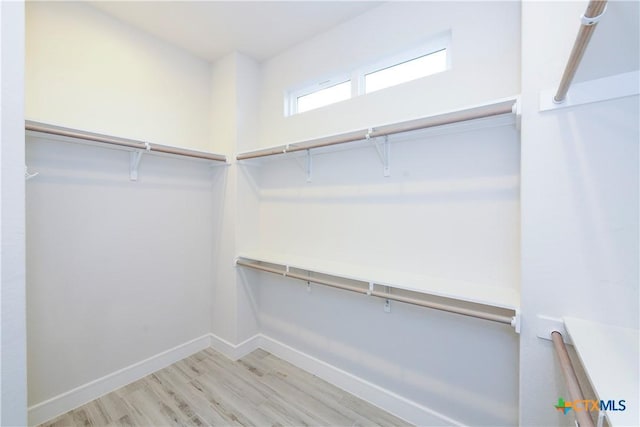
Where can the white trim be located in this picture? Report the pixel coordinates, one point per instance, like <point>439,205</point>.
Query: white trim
<point>85,393</point>
<point>604,89</point>
<point>235,351</point>
<point>389,401</point>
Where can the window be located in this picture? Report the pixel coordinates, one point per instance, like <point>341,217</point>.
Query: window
<point>409,70</point>
<point>429,59</point>
<point>322,97</point>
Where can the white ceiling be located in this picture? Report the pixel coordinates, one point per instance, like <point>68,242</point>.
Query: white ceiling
<point>211,29</point>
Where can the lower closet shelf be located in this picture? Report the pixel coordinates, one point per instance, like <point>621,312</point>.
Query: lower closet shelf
<point>609,355</point>
<point>471,299</point>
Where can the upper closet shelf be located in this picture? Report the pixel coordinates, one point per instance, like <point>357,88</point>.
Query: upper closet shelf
<point>609,355</point>
<point>137,148</point>
<point>508,106</point>
<point>468,292</point>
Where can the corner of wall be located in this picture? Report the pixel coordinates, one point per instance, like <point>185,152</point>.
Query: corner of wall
<point>234,79</point>
<point>13,383</point>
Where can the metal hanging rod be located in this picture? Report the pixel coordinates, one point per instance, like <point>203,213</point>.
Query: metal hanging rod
<point>590,19</point>
<point>121,142</point>
<point>326,282</point>
<point>570,378</point>
<point>508,320</point>
<point>484,111</point>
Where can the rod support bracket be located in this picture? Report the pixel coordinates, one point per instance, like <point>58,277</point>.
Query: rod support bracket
<point>601,417</point>
<point>29,175</point>
<point>590,21</point>
<point>387,302</point>
<point>367,136</point>
<point>516,321</point>
<point>516,109</point>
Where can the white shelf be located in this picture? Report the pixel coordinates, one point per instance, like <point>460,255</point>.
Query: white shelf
<point>59,133</point>
<point>610,357</point>
<point>488,111</point>
<point>494,296</point>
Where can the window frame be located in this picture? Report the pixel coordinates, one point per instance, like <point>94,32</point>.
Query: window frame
<point>365,89</point>
<point>437,43</point>
<point>293,95</point>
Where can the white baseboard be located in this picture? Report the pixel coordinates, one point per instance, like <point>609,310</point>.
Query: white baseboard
<point>235,351</point>
<point>391,402</point>
<point>69,400</point>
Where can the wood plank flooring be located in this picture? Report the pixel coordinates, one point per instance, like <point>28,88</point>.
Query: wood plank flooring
<point>207,389</point>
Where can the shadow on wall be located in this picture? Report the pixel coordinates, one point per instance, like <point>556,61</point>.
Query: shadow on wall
<point>447,168</point>
<point>461,361</point>
<point>90,165</point>
<point>604,197</point>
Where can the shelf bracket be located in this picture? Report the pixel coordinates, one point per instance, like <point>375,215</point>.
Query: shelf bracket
<point>134,162</point>
<point>309,166</point>
<point>28,175</point>
<point>384,152</point>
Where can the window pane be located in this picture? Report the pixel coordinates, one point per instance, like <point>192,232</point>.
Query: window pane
<point>407,71</point>
<point>323,97</point>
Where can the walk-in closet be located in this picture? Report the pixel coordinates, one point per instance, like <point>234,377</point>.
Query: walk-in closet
<point>320,213</point>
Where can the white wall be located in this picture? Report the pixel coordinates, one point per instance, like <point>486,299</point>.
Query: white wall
<point>450,209</point>
<point>619,29</point>
<point>13,387</point>
<point>233,117</point>
<point>118,271</point>
<point>485,52</point>
<point>247,204</point>
<point>224,131</point>
<point>87,70</point>
<point>579,196</point>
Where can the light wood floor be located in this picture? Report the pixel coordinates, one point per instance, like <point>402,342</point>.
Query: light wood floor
<point>207,389</point>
